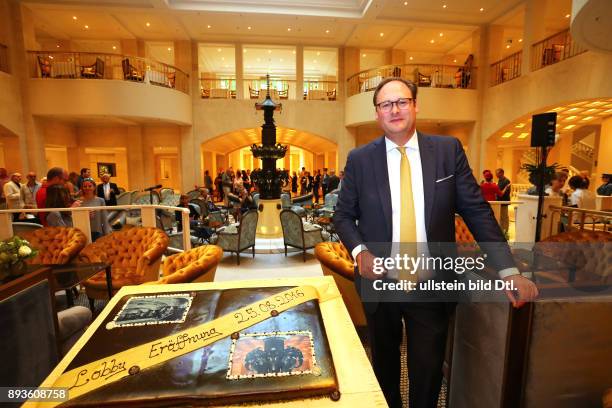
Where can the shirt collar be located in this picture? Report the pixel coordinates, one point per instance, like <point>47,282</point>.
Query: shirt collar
<point>413,143</point>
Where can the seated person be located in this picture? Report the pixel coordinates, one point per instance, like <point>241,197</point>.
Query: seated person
<point>198,231</point>
<point>246,202</point>
<point>206,197</point>
<point>606,188</point>
<point>581,197</point>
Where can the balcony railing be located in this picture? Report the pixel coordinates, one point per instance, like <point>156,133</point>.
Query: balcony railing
<point>225,88</point>
<point>506,69</point>
<point>424,75</point>
<point>4,64</point>
<point>62,65</point>
<point>553,49</point>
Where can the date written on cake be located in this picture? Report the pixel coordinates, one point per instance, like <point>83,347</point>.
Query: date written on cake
<point>23,394</point>
<point>266,307</point>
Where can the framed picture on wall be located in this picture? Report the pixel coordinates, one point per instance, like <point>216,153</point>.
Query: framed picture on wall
<point>110,168</point>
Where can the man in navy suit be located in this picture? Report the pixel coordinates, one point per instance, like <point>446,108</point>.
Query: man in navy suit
<point>368,212</point>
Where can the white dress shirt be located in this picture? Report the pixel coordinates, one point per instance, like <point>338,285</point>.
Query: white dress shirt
<point>107,191</point>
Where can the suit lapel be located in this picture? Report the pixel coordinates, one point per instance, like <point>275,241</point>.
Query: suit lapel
<point>381,173</point>
<point>428,164</point>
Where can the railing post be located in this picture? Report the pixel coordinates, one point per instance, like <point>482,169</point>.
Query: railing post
<point>6,226</point>
<point>186,230</point>
<point>81,220</point>
<point>147,214</point>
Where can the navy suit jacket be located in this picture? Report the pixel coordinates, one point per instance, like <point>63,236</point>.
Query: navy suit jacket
<point>363,213</point>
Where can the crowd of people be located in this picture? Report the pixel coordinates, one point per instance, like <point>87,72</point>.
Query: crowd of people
<point>239,183</point>
<point>59,189</point>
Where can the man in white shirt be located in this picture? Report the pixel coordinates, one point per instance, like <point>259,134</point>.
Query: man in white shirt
<point>409,182</point>
<point>12,193</point>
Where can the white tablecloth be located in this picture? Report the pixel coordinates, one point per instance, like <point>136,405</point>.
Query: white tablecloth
<point>61,69</point>
<point>219,93</point>
<point>317,95</point>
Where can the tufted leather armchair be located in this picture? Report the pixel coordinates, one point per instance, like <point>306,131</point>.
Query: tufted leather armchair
<point>462,232</point>
<point>55,245</point>
<point>195,265</point>
<point>134,254</point>
<point>337,262</point>
<point>586,256</point>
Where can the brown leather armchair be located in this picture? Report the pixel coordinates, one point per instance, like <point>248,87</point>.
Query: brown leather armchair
<point>337,262</point>
<point>195,265</point>
<point>55,245</point>
<point>134,254</point>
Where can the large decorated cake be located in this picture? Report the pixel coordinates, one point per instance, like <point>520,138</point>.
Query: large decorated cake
<point>284,356</point>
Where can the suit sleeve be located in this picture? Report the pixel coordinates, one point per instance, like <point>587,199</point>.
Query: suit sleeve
<point>347,209</point>
<point>478,216</point>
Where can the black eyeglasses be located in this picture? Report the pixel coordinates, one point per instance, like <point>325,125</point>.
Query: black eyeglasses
<point>402,104</point>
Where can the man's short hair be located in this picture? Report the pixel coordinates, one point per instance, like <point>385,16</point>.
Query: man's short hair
<point>84,170</point>
<point>411,85</point>
<point>55,172</point>
<point>500,170</point>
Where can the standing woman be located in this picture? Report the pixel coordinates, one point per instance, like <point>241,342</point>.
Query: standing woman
<point>246,182</point>
<point>98,220</point>
<point>316,184</point>
<point>294,182</point>
<point>59,197</point>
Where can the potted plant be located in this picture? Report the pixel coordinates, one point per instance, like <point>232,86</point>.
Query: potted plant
<point>536,171</point>
<point>13,254</point>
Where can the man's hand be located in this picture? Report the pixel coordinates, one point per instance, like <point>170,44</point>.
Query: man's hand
<point>526,290</point>
<point>365,266</point>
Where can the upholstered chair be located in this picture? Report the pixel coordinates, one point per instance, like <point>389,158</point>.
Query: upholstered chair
<point>55,245</point>
<point>195,265</point>
<point>462,232</point>
<point>582,256</point>
<point>329,205</point>
<point>337,262</point>
<point>299,234</point>
<point>134,254</point>
<point>237,238</point>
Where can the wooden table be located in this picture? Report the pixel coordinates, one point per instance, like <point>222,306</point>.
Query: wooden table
<point>356,380</point>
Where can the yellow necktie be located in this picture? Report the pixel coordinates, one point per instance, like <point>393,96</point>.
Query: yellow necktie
<point>408,235</point>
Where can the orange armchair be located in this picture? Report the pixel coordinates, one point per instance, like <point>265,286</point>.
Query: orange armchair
<point>55,245</point>
<point>134,254</point>
<point>195,265</point>
<point>337,262</point>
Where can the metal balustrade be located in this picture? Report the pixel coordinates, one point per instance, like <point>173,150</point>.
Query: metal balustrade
<point>424,75</point>
<point>506,69</point>
<point>553,49</point>
<point>73,65</point>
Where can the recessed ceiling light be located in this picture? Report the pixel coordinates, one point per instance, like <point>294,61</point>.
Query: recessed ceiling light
<point>218,49</point>
<point>567,16</point>
<point>587,118</point>
<point>569,127</point>
<point>520,40</point>
<point>432,41</point>
<point>249,27</point>
<point>569,118</point>
<point>86,27</point>
<point>508,46</point>
<point>444,6</point>
<point>326,31</point>
<point>363,55</point>
<point>405,3</point>
<point>57,46</point>
<point>293,52</point>
<point>507,135</point>
<point>169,48</point>
<point>411,58</point>
<point>288,28</point>
<point>558,109</point>
<point>148,24</point>
<point>74,17</point>
<point>382,34</point>
<point>208,26</point>
<point>520,125</point>
<point>114,47</point>
<point>454,60</point>
<point>523,135</point>
<point>441,34</point>
<point>572,110</point>
<point>318,53</point>
<point>481,9</point>
<point>245,50</point>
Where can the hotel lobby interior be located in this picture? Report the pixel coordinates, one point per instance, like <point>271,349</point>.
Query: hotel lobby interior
<point>198,235</point>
